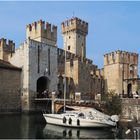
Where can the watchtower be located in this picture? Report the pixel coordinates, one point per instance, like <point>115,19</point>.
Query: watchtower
<point>42,32</point>
<point>121,71</point>
<point>7,48</point>
<point>74,33</point>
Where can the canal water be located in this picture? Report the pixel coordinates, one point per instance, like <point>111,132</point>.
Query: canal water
<point>35,127</point>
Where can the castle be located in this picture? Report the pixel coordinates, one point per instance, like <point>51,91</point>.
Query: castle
<point>41,65</point>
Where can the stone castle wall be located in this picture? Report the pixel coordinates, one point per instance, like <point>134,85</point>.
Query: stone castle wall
<point>119,68</point>
<point>10,95</point>
<point>21,59</point>
<point>32,57</point>
<point>38,69</point>
<point>7,48</point>
<point>78,71</point>
<point>131,109</point>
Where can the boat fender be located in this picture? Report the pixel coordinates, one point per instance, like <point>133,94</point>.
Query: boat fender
<point>115,118</point>
<point>64,119</point>
<point>78,122</point>
<point>70,121</point>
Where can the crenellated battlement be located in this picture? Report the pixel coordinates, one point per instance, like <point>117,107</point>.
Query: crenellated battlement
<point>87,61</point>
<point>75,24</point>
<point>7,45</point>
<point>99,72</point>
<point>71,56</point>
<point>121,57</point>
<point>43,32</point>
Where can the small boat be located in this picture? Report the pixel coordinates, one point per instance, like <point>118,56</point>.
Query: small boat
<point>82,117</point>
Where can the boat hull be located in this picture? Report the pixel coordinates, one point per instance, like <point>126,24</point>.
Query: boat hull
<point>83,123</point>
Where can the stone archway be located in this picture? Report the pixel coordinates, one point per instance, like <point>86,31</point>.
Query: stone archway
<point>42,84</point>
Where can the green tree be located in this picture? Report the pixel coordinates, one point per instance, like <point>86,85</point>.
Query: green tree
<point>113,103</point>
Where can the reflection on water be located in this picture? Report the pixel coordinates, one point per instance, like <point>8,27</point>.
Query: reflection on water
<point>35,127</point>
<point>52,131</point>
<point>21,126</point>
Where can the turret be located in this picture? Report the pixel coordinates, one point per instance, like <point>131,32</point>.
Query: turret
<point>121,71</point>
<point>7,48</point>
<point>75,24</point>
<point>121,57</point>
<point>42,32</point>
<point>74,35</point>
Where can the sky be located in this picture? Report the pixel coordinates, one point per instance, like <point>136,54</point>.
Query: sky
<point>112,25</point>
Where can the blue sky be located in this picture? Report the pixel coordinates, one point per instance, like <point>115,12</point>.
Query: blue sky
<point>112,25</point>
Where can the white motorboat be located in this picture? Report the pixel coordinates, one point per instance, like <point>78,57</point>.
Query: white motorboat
<point>82,117</point>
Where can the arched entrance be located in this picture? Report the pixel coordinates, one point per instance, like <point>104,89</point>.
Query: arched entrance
<point>42,84</point>
<point>129,90</point>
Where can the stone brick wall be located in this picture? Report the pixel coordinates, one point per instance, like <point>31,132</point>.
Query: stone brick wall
<point>121,69</point>
<point>89,82</point>
<point>84,77</point>
<point>33,57</point>
<point>44,62</point>
<point>21,59</point>
<point>131,109</point>
<point>10,96</point>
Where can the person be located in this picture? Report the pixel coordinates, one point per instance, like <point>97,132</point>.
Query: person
<point>46,93</point>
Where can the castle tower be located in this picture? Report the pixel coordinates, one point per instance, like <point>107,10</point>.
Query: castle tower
<point>74,35</point>
<point>121,72</point>
<point>6,49</point>
<point>37,57</point>
<point>42,32</point>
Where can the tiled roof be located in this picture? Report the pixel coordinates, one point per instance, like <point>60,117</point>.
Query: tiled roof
<point>7,65</point>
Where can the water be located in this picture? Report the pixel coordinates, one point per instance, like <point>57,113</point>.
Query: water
<point>34,126</point>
